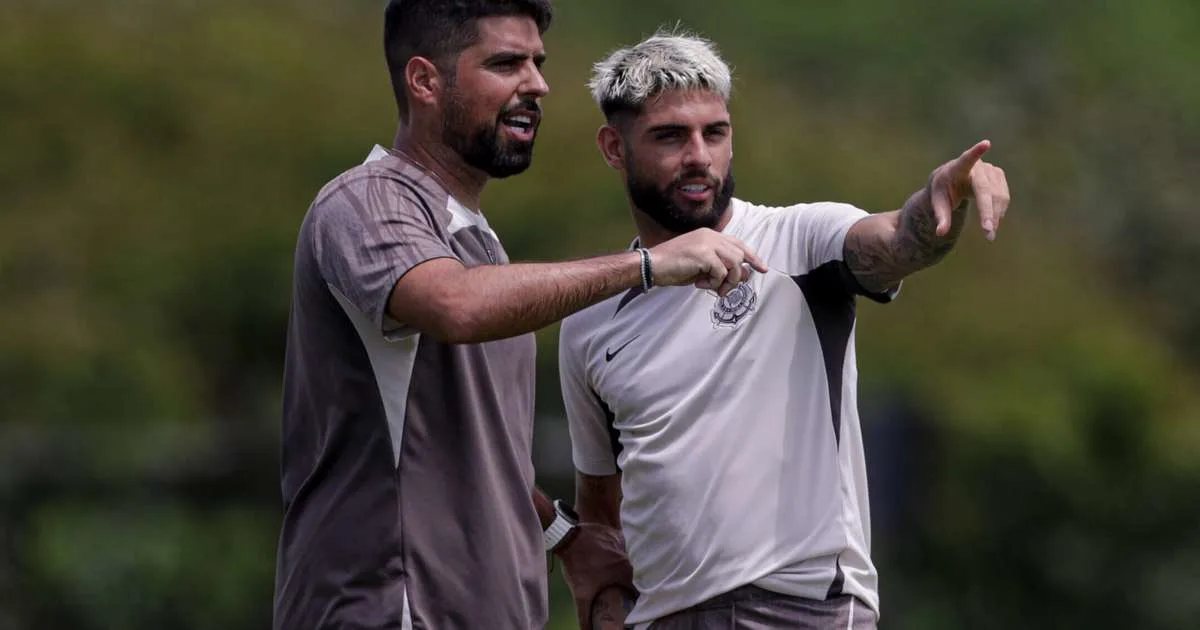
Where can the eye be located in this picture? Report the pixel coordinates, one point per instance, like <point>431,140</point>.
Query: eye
<point>716,133</point>
<point>507,64</point>
<point>668,136</point>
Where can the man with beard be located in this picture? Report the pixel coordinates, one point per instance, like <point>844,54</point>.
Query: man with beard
<point>407,474</point>
<point>721,432</point>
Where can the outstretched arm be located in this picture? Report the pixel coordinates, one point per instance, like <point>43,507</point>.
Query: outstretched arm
<point>456,304</point>
<point>883,249</point>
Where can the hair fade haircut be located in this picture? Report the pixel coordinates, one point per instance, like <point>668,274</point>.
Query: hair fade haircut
<point>669,60</point>
<point>440,29</point>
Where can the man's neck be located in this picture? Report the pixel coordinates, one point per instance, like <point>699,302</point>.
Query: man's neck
<point>464,183</point>
<point>650,233</point>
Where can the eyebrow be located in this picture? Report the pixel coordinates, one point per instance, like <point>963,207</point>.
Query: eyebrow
<point>721,124</point>
<point>507,56</point>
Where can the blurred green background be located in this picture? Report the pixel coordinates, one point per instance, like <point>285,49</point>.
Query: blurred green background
<point>1031,406</point>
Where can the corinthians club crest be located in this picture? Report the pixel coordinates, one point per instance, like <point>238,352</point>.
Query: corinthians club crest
<point>730,310</point>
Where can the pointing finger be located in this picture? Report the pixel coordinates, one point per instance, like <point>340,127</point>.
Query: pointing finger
<point>749,256</point>
<point>964,163</point>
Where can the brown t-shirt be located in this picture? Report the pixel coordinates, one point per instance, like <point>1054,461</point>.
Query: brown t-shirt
<point>407,464</point>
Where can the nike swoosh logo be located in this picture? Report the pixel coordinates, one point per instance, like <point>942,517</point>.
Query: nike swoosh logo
<point>610,354</point>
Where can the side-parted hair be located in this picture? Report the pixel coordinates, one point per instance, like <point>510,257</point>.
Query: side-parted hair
<point>629,77</point>
<point>440,29</point>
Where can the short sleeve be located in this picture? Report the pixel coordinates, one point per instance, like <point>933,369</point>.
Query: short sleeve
<point>812,234</point>
<point>812,237</point>
<point>593,441</point>
<point>369,231</point>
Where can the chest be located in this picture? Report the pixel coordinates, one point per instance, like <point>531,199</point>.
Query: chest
<point>678,345</point>
<point>476,246</point>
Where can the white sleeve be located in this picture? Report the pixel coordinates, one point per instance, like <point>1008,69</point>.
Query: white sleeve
<point>813,235</point>
<point>593,440</point>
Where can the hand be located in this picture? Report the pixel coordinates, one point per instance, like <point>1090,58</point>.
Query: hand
<point>705,258</point>
<point>967,177</point>
<point>593,560</point>
<point>611,607</point>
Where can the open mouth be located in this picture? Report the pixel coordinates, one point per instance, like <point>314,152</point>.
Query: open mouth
<point>521,125</point>
<point>695,191</point>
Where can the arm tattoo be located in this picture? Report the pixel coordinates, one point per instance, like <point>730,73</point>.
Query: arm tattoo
<point>606,611</point>
<point>602,612</point>
<point>880,261</point>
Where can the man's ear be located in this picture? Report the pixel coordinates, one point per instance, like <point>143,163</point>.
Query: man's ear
<point>424,81</point>
<point>612,146</point>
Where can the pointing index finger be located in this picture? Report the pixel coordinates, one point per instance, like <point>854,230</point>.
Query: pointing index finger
<point>750,257</point>
<point>965,162</point>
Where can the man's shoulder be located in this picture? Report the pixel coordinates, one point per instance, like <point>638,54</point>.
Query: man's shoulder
<point>750,214</point>
<point>394,177</point>
<point>756,208</point>
<point>773,210</point>
<point>794,218</point>
<point>587,321</point>
<point>377,190</point>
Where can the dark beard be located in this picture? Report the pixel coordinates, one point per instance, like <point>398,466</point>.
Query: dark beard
<point>657,204</point>
<point>482,148</point>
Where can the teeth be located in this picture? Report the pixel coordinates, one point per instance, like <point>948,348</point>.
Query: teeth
<point>523,121</point>
<point>695,188</point>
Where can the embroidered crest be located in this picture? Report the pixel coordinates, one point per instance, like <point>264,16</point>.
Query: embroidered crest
<point>733,308</point>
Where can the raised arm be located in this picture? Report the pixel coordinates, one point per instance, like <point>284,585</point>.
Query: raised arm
<point>457,304</point>
<point>883,249</point>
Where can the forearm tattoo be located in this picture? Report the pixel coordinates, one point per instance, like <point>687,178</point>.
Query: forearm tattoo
<point>603,612</point>
<point>879,262</point>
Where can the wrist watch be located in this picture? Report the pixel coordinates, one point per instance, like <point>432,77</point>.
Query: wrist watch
<point>565,521</point>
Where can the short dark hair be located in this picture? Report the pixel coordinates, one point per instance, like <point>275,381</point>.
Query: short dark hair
<point>440,29</point>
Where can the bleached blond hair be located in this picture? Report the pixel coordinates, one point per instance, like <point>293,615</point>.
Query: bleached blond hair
<point>668,60</point>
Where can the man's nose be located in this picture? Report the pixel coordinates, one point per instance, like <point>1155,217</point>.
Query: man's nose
<point>535,84</point>
<point>696,154</point>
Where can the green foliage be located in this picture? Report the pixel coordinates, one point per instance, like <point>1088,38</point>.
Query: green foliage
<point>160,155</point>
